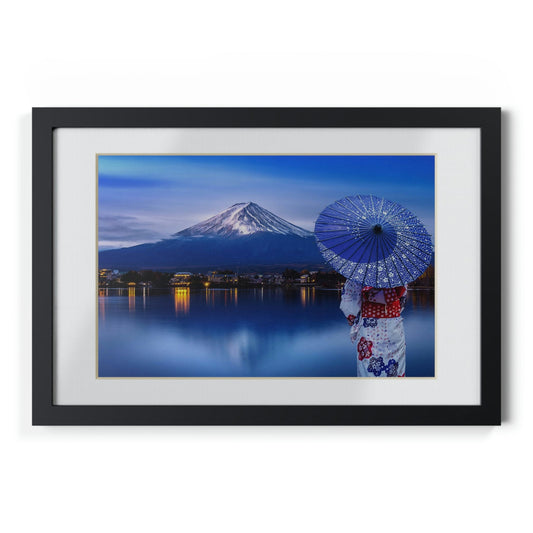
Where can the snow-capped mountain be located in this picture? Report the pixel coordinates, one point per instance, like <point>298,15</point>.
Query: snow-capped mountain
<point>243,219</point>
<point>245,237</point>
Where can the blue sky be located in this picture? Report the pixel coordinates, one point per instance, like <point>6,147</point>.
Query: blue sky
<point>147,198</point>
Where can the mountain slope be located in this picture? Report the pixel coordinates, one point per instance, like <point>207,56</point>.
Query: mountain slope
<point>244,219</point>
<point>244,236</point>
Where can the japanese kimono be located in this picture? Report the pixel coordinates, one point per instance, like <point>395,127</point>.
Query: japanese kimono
<point>377,329</point>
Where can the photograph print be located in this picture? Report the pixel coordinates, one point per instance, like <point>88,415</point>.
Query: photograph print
<point>265,266</point>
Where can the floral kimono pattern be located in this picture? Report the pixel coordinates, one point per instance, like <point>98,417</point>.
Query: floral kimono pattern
<point>380,341</point>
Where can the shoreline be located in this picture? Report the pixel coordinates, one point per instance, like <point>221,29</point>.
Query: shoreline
<point>233,287</point>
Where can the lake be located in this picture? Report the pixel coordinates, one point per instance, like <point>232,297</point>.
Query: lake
<point>298,332</point>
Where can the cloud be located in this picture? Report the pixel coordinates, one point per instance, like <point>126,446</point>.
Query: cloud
<point>120,230</point>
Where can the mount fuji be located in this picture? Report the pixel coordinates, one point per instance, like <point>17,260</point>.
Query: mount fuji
<point>243,237</point>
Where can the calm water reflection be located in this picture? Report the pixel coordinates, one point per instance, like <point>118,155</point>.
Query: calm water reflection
<point>242,332</point>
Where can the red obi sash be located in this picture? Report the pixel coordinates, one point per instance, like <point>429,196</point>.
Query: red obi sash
<point>390,309</point>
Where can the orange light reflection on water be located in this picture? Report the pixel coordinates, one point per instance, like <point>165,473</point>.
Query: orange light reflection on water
<point>102,293</point>
<point>182,300</point>
<point>131,299</point>
<point>304,295</point>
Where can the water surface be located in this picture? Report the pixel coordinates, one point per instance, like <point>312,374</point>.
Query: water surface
<point>242,332</point>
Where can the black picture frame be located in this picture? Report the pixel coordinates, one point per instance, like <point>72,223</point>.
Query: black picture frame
<point>45,120</point>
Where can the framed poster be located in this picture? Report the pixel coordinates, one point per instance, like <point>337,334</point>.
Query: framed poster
<point>266,266</point>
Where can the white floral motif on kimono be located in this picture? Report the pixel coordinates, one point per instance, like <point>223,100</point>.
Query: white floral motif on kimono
<point>380,342</point>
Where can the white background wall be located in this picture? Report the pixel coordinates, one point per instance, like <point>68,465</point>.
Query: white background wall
<point>274,53</point>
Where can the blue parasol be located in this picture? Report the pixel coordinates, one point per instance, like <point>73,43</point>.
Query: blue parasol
<point>373,241</point>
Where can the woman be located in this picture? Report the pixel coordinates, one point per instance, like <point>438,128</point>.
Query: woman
<point>377,328</point>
